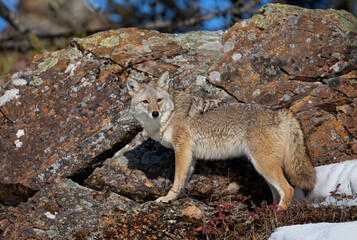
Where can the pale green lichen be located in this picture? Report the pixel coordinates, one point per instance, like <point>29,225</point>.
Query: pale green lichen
<point>71,53</point>
<point>89,42</point>
<point>207,40</point>
<point>110,42</point>
<point>345,21</point>
<point>44,199</point>
<point>271,72</point>
<point>252,36</point>
<point>124,35</point>
<point>336,55</point>
<point>74,89</point>
<point>47,64</point>
<point>36,82</point>
<point>256,92</point>
<point>40,223</point>
<point>51,233</point>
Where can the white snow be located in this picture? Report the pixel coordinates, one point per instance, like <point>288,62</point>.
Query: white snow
<point>342,174</point>
<point>325,231</point>
<point>328,178</point>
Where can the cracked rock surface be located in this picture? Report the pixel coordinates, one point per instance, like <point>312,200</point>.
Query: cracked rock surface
<point>72,161</point>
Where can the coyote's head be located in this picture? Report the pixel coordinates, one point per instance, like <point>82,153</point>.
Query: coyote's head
<point>150,101</point>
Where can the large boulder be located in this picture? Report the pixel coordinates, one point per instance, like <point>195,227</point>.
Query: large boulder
<point>59,116</point>
<point>64,210</point>
<point>65,120</point>
<point>302,59</point>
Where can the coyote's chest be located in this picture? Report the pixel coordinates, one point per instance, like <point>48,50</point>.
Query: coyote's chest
<point>166,138</point>
<point>158,131</point>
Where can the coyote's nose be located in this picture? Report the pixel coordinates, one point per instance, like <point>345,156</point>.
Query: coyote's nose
<point>155,114</point>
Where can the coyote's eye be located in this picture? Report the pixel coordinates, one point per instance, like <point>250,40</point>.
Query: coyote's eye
<point>159,100</point>
<point>145,101</point>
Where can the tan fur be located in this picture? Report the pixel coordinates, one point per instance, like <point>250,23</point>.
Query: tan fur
<point>207,129</point>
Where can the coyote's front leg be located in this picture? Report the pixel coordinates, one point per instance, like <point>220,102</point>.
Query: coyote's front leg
<point>184,166</point>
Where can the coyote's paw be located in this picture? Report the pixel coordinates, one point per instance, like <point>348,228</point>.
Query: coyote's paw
<point>171,196</point>
<point>165,199</point>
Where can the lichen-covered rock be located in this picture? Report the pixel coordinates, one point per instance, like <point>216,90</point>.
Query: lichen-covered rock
<point>58,116</point>
<point>65,210</point>
<point>298,58</point>
<point>140,171</point>
<point>187,56</point>
<point>66,115</point>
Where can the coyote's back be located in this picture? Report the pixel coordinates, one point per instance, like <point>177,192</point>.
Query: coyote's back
<point>207,129</point>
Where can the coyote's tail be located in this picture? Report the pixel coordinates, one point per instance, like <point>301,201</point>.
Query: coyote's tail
<point>297,163</point>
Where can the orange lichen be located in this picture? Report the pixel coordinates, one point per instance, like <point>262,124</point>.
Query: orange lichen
<point>338,123</point>
<point>352,75</point>
<point>301,103</point>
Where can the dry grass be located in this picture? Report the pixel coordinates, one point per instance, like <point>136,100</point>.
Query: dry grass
<point>236,220</point>
<point>260,222</point>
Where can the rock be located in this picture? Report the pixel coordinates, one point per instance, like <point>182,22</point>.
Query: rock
<point>65,122</point>
<point>64,210</point>
<point>60,116</point>
<point>298,58</point>
<point>186,56</point>
<point>155,221</point>
<point>193,212</point>
<point>141,171</point>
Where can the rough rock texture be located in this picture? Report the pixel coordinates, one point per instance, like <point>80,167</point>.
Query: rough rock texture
<point>65,209</point>
<point>302,59</point>
<point>59,116</point>
<point>65,120</point>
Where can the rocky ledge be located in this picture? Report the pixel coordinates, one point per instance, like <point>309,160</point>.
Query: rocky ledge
<point>72,163</point>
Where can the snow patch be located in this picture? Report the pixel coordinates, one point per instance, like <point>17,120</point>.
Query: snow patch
<point>328,177</point>
<point>317,231</point>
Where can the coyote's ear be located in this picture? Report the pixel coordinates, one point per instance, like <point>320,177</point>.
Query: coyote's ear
<point>163,81</point>
<point>133,86</point>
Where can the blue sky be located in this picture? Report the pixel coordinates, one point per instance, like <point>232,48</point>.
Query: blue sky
<point>10,4</point>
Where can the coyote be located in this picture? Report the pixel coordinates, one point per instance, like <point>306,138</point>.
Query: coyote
<point>210,130</point>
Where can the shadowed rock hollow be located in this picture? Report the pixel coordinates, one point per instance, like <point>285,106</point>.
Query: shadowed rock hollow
<point>69,149</point>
